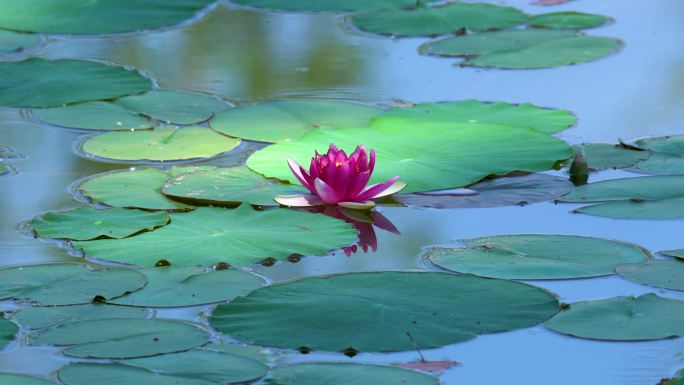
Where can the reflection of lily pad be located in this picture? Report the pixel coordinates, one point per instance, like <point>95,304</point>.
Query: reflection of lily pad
<point>426,157</point>
<point>474,111</point>
<point>95,17</point>
<point>45,83</point>
<point>43,317</point>
<point>600,156</point>
<point>327,5</point>
<point>668,274</point>
<point>283,120</point>
<point>567,20</point>
<point>177,107</point>
<point>66,283</point>
<point>103,116</point>
<point>229,186</point>
<point>520,49</point>
<point>662,164</point>
<point>87,223</point>
<point>347,374</point>
<point>239,236</point>
<point>173,286</point>
<point>21,379</point>
<point>375,311</point>
<point>122,338</point>
<point>428,21</point>
<point>647,317</point>
<point>11,42</point>
<point>160,144</point>
<point>7,332</point>
<point>537,256</point>
<point>639,188</point>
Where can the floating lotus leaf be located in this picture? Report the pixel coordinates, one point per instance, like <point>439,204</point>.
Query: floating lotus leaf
<point>600,156</point>
<point>662,164</point>
<point>679,253</point>
<point>474,111</point>
<point>667,274</point>
<point>122,338</point>
<point>239,236</point>
<point>158,145</point>
<point>139,188</point>
<point>11,42</point>
<point>505,191</point>
<point>567,20</point>
<point>666,144</point>
<point>347,374</point>
<point>45,83</point>
<point>248,351</point>
<point>103,116</point>
<point>284,120</point>
<point>537,256</point>
<point>5,169</point>
<point>173,286</point>
<point>664,209</point>
<point>43,317</point>
<point>87,223</point>
<point>523,49</point>
<point>229,186</point>
<point>426,156</point>
<point>21,379</point>
<point>639,188</point>
<point>374,312</point>
<point>648,317</point>
<point>67,283</point>
<point>327,5</point>
<point>7,332</point>
<point>79,17</point>
<point>177,107</point>
<point>429,21</point>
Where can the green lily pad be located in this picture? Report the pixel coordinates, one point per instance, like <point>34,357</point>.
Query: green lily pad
<point>229,186</point>
<point>375,312</point>
<point>95,17</point>
<point>347,374</point>
<point>426,156</point>
<point>21,379</point>
<point>173,286</point>
<point>667,274</point>
<point>248,351</point>
<point>101,116</point>
<point>430,21</point>
<point>67,283</point>
<point>239,236</point>
<point>648,317</point>
<point>664,209</point>
<point>122,338</point>
<point>567,20</point>
<point>5,169</point>
<point>600,156</point>
<point>665,144</point>
<point>87,223</point>
<point>474,111</point>
<point>537,256</point>
<point>678,253</point>
<point>38,82</point>
<point>43,317</point>
<point>327,5</point>
<point>158,145</point>
<point>639,188</point>
<point>284,120</point>
<point>12,42</point>
<point>525,49</point>
<point>140,188</point>
<point>661,164</point>
<point>7,332</point>
<point>179,107</point>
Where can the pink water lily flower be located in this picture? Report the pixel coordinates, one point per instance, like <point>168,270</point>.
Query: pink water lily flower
<point>335,178</point>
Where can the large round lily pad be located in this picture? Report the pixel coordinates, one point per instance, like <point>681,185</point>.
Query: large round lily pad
<point>21,379</point>
<point>161,144</point>
<point>66,283</point>
<point>426,156</point>
<point>179,107</point>
<point>474,111</point>
<point>667,274</point>
<point>172,286</point>
<point>537,256</point>
<point>600,156</point>
<point>47,316</point>
<point>7,331</point>
<point>122,338</point>
<point>648,317</point>
<point>95,17</point>
<point>239,236</point>
<point>567,20</point>
<point>38,82</point>
<point>101,116</point>
<point>284,120</point>
<point>664,209</point>
<point>229,186</point>
<point>525,49</point>
<point>327,5</point>
<point>638,188</point>
<point>12,42</point>
<point>88,223</point>
<point>429,21</point>
<point>375,312</point>
<point>347,374</point>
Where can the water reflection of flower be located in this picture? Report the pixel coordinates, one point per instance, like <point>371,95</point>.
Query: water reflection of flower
<point>365,223</point>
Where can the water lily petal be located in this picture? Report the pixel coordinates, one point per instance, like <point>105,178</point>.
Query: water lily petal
<point>301,175</point>
<point>357,205</point>
<point>376,189</point>
<point>357,184</point>
<point>371,163</point>
<point>391,190</point>
<point>300,200</point>
<point>325,192</point>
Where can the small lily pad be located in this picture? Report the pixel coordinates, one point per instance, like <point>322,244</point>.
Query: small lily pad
<point>158,145</point>
<point>667,274</point>
<point>537,256</point>
<point>101,116</point>
<point>327,5</point>
<point>7,331</point>
<point>567,20</point>
<point>7,152</point>
<point>122,338</point>
<point>646,188</point>
<point>87,223</point>
<point>648,317</point>
<point>600,156</point>
<point>173,286</point>
<point>664,209</point>
<point>284,120</point>
<point>12,42</point>
<point>229,186</point>
<point>67,283</point>
<point>665,144</point>
<point>179,107</point>
<point>678,253</point>
<point>21,379</point>
<point>5,169</point>
<point>347,374</point>
<point>661,164</point>
<point>43,317</point>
